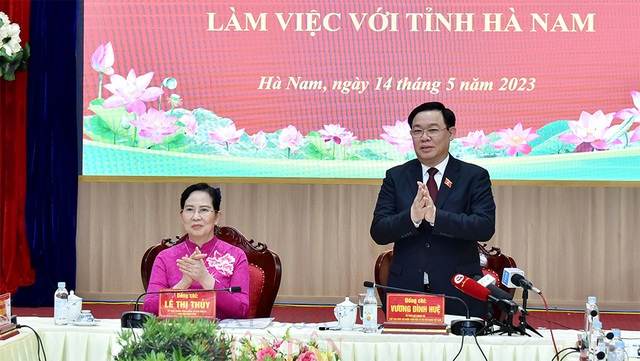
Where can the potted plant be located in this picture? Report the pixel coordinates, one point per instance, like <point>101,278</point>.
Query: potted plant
<point>176,340</point>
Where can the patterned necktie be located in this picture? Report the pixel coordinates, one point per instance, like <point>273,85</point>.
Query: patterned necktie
<point>431,184</point>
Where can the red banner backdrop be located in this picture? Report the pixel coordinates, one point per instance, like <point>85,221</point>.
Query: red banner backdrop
<point>15,263</point>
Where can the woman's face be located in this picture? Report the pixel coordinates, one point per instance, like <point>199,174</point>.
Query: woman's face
<point>198,216</point>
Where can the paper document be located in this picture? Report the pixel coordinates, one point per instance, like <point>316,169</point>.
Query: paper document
<point>246,323</point>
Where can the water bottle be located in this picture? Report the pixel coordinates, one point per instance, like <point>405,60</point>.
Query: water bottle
<point>616,347</point>
<point>590,314</point>
<point>596,339</point>
<point>60,304</point>
<point>370,312</point>
<point>601,351</point>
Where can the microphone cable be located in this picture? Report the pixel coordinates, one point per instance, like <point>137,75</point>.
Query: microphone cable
<point>462,344</point>
<point>135,338</point>
<point>546,307</point>
<point>536,317</point>
<point>38,340</point>
<point>475,337</point>
<point>460,350</point>
<point>480,348</point>
<point>557,355</point>
<point>569,353</point>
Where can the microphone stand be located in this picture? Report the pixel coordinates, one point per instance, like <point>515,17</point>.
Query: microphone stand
<point>523,326</point>
<point>505,326</point>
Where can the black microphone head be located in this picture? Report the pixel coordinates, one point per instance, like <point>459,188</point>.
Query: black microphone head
<point>519,280</point>
<point>235,289</point>
<point>369,284</point>
<point>499,293</point>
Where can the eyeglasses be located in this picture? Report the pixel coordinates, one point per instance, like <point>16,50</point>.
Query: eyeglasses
<point>203,211</point>
<point>431,132</point>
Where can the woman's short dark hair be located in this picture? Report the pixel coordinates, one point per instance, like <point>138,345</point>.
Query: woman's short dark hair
<point>214,192</point>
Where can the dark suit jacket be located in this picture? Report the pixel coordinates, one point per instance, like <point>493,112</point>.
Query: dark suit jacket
<point>465,214</point>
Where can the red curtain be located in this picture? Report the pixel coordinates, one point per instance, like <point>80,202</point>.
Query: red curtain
<point>15,262</point>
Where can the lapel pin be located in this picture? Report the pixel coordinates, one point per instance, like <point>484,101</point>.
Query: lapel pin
<point>448,182</point>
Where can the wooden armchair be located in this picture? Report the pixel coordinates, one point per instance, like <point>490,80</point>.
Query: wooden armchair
<point>492,261</point>
<point>265,268</point>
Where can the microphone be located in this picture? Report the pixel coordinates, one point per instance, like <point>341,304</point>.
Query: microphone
<point>135,318</point>
<point>489,282</point>
<point>499,293</point>
<point>514,277</point>
<point>466,327</point>
<point>470,287</point>
<point>485,280</point>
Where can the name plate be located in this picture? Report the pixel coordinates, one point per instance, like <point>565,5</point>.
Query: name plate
<point>414,308</point>
<point>187,304</point>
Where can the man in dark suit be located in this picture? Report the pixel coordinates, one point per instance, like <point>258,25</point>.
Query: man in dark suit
<point>434,209</point>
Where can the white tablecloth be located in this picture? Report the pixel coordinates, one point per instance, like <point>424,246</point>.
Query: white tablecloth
<point>21,347</point>
<point>62,343</point>
<point>97,343</point>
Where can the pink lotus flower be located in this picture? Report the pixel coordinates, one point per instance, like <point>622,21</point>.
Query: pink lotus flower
<point>102,59</point>
<point>398,135</point>
<point>334,133</point>
<point>263,353</point>
<point>590,132</point>
<point>631,112</point>
<point>155,125</point>
<point>307,356</point>
<point>515,140</point>
<point>131,92</point>
<point>259,140</point>
<point>290,138</point>
<point>190,124</point>
<point>348,138</point>
<point>475,139</point>
<point>226,135</point>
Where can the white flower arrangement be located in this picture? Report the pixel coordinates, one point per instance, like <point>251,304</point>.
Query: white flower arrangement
<point>12,56</point>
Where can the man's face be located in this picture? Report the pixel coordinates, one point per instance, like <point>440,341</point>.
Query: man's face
<point>431,137</point>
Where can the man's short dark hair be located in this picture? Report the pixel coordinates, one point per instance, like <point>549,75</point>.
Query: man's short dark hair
<point>449,118</point>
<point>447,114</point>
<point>216,195</point>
